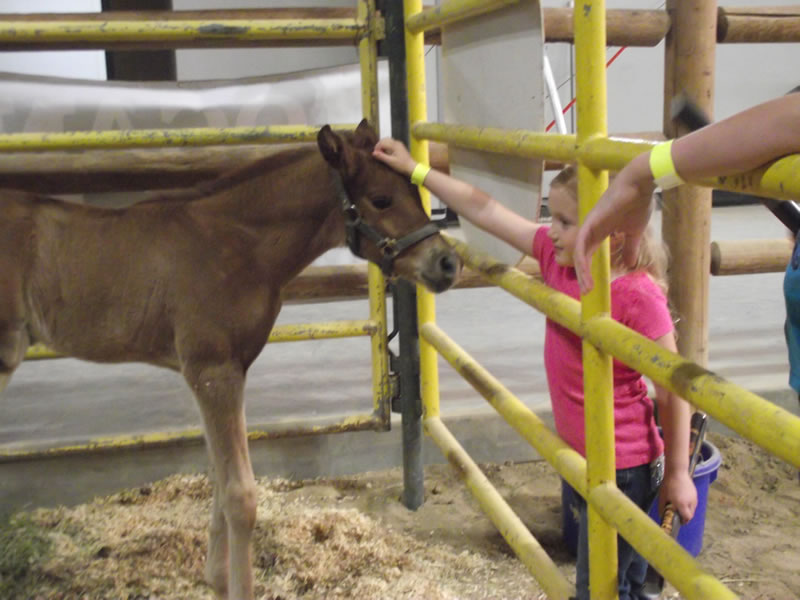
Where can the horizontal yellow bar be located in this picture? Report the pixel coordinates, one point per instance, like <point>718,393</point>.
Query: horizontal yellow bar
<point>779,179</point>
<point>530,552</point>
<point>40,352</point>
<point>320,331</point>
<point>660,549</point>
<point>452,11</point>
<point>280,333</point>
<point>36,32</point>
<point>771,427</point>
<point>162,439</point>
<point>517,142</point>
<point>151,138</point>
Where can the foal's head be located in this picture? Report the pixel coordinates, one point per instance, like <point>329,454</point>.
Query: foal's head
<point>385,221</point>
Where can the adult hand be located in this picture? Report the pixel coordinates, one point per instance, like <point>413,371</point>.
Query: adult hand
<point>625,207</point>
<point>395,154</point>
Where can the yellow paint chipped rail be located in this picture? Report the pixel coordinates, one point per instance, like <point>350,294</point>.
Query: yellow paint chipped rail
<point>156,138</point>
<point>645,534</point>
<point>515,532</point>
<point>452,11</point>
<point>26,35</point>
<point>779,179</point>
<point>771,427</point>
<point>282,333</point>
<point>188,437</point>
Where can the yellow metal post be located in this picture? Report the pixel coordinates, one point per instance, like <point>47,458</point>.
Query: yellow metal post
<point>368,58</point>
<point>590,48</point>
<point>417,111</point>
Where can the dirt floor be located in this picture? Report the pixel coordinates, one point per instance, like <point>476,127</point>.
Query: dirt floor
<point>351,538</point>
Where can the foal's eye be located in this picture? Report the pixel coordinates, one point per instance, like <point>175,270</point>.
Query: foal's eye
<point>381,202</point>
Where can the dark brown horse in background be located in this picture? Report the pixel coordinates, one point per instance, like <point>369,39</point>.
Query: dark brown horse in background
<point>192,282</point>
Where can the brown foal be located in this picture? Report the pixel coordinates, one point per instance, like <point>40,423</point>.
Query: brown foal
<point>192,281</point>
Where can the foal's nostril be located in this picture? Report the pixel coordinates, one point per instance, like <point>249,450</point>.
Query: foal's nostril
<point>448,265</point>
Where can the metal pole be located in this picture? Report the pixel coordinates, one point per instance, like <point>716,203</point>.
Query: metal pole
<point>404,293</point>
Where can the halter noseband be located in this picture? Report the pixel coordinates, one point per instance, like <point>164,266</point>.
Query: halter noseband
<point>389,247</point>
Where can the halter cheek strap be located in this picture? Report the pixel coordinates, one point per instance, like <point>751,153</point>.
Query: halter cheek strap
<point>389,247</point>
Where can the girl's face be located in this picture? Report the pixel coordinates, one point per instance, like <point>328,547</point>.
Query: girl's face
<point>564,229</point>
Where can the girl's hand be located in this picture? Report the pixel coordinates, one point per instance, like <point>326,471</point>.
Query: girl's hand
<point>679,490</point>
<point>394,153</point>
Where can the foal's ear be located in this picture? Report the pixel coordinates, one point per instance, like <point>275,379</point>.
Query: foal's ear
<point>365,136</point>
<point>335,150</point>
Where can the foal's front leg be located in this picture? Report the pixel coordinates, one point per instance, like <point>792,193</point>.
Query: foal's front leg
<point>219,392</point>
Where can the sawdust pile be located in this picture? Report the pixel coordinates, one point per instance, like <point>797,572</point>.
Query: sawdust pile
<point>150,543</point>
<point>352,538</point>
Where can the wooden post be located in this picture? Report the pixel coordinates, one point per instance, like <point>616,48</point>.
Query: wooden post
<point>686,222</point>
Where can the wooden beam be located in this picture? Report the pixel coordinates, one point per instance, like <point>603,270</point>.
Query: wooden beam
<point>686,210</point>
<point>737,257</point>
<point>741,24</point>
<point>349,282</point>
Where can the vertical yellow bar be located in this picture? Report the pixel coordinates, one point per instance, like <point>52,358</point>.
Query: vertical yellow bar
<point>368,58</point>
<point>590,50</point>
<point>417,111</point>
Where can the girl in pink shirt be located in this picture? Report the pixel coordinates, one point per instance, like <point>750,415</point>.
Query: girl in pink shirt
<point>638,301</point>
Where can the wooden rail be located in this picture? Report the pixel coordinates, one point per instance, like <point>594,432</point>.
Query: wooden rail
<point>737,257</point>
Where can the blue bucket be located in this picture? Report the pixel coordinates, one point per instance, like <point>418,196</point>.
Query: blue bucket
<point>690,535</point>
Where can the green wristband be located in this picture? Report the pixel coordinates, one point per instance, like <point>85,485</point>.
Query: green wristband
<point>662,167</point>
<point>419,173</point>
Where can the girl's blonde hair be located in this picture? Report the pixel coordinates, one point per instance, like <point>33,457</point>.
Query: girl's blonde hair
<point>652,257</point>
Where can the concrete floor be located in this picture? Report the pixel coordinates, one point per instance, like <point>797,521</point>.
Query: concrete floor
<point>65,400</point>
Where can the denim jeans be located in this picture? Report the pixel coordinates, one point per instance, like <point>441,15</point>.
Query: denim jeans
<point>638,485</point>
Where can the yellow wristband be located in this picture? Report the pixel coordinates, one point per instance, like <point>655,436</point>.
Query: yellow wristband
<point>419,173</point>
<point>662,167</point>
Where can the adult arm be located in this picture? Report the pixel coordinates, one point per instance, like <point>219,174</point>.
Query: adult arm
<point>739,143</point>
<point>472,203</point>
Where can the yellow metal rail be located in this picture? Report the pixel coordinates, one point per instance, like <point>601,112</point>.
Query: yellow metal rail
<point>417,111</point>
<point>646,536</point>
<point>779,179</point>
<point>771,427</point>
<point>507,522</point>
<point>282,333</point>
<point>189,437</point>
<point>376,284</point>
<point>20,35</point>
<point>152,138</point>
<point>451,11</point>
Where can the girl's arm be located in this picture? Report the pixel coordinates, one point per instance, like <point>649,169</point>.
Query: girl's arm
<point>475,205</point>
<point>674,413</point>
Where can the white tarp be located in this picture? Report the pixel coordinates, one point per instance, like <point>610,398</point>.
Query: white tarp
<point>31,103</point>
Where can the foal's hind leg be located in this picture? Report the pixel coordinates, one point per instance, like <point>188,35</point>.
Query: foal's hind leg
<point>218,388</point>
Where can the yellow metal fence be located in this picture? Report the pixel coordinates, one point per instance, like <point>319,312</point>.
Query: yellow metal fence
<point>610,511</point>
<point>364,31</point>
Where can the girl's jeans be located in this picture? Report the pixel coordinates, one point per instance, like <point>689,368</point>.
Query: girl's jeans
<point>640,484</point>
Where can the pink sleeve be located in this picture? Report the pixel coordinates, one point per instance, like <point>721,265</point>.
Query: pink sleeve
<point>643,308</point>
<point>542,244</point>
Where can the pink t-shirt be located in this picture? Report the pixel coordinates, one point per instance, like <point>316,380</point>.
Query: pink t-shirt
<point>637,302</point>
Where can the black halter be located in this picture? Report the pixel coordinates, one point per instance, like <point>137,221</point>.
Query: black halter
<point>389,247</point>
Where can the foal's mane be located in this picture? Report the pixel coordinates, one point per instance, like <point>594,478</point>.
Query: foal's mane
<point>280,159</point>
